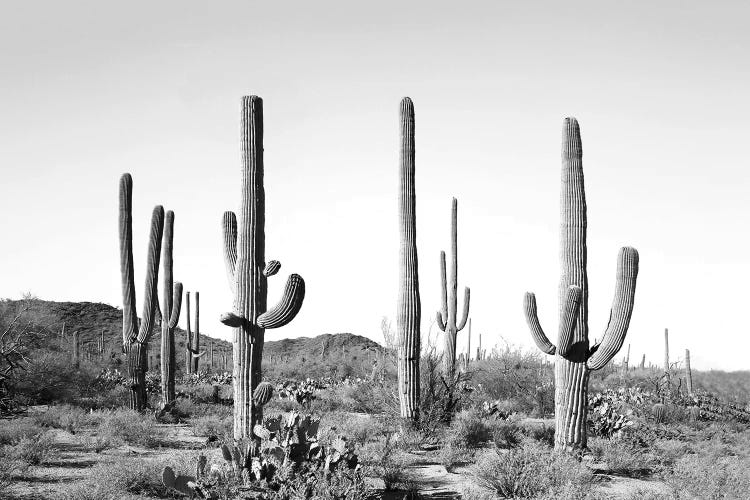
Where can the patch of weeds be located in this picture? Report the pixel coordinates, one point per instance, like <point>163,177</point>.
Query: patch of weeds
<point>66,417</point>
<point>131,427</point>
<point>32,450</point>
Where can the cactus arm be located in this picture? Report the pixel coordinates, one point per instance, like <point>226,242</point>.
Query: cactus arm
<point>571,307</point>
<point>442,316</point>
<point>622,309</point>
<point>439,320</point>
<point>129,315</point>
<point>288,307</point>
<point>176,304</point>
<point>229,230</point>
<point>271,268</point>
<point>467,298</point>
<point>150,299</point>
<point>232,320</point>
<point>540,339</point>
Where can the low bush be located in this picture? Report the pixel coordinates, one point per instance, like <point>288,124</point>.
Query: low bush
<point>66,417</point>
<point>32,450</point>
<point>12,431</point>
<point>468,430</point>
<point>531,471</point>
<point>212,425</point>
<point>623,458</point>
<point>709,478</point>
<point>131,427</point>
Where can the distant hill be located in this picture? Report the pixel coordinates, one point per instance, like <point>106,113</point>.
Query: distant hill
<point>325,355</point>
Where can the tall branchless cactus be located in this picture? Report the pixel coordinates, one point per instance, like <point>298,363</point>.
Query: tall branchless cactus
<point>192,341</point>
<point>170,314</point>
<point>196,344</point>
<point>409,308</point>
<point>574,358</point>
<point>135,336</point>
<point>688,373</point>
<point>626,362</point>
<point>666,352</point>
<point>188,337</point>
<point>247,270</point>
<point>448,315</point>
<point>76,349</point>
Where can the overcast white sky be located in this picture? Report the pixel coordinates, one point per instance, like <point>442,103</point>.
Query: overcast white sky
<point>89,90</point>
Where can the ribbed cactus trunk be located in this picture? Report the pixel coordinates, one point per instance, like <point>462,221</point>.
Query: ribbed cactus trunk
<point>135,334</point>
<point>468,345</point>
<point>574,358</point>
<point>244,256</point>
<point>76,358</point>
<point>170,313</point>
<point>666,351</point>
<point>196,344</point>
<point>447,317</point>
<point>625,362</point>
<point>409,308</point>
<point>643,362</point>
<point>188,338</point>
<point>688,373</point>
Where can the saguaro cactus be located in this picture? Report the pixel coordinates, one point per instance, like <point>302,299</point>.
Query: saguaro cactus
<point>192,341</point>
<point>643,362</point>
<point>170,314</point>
<point>247,270</point>
<point>76,349</point>
<point>625,362</point>
<point>666,352</point>
<point>574,358</point>
<point>447,316</point>
<point>135,336</point>
<point>409,308</point>
<point>688,373</point>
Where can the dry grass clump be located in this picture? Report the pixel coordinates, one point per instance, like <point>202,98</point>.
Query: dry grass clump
<point>624,458</point>
<point>710,478</point>
<point>531,471</point>
<point>212,425</point>
<point>31,450</point>
<point>120,479</point>
<point>66,417</point>
<point>12,431</point>
<point>131,427</point>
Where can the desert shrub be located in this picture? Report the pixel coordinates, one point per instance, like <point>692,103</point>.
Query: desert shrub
<point>647,494</point>
<point>66,417</point>
<point>623,458</point>
<point>212,425</point>
<point>452,455</point>
<point>98,443</point>
<point>506,435</point>
<point>468,430</point>
<point>106,399</point>
<point>10,469</point>
<point>709,478</point>
<point>12,431</point>
<point>531,471</point>
<point>32,450</point>
<point>382,460</point>
<point>131,427</point>
<point>121,478</point>
<point>48,378</point>
<point>544,434</point>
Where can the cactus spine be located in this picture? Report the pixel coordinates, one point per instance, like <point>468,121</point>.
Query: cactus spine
<point>409,307</point>
<point>244,257</point>
<point>688,373</point>
<point>135,336</point>
<point>170,314</point>
<point>574,358</point>
<point>447,316</point>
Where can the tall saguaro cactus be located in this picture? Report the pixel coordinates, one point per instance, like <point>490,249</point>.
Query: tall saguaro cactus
<point>574,357</point>
<point>409,308</point>
<point>666,352</point>
<point>247,270</point>
<point>447,317</point>
<point>688,373</point>
<point>135,336</point>
<point>76,349</point>
<point>170,314</point>
<point>192,342</point>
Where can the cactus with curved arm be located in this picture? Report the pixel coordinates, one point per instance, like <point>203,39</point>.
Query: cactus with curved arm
<point>409,308</point>
<point>135,335</point>
<point>247,270</point>
<point>170,314</point>
<point>447,317</point>
<point>574,357</point>
<point>192,341</point>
